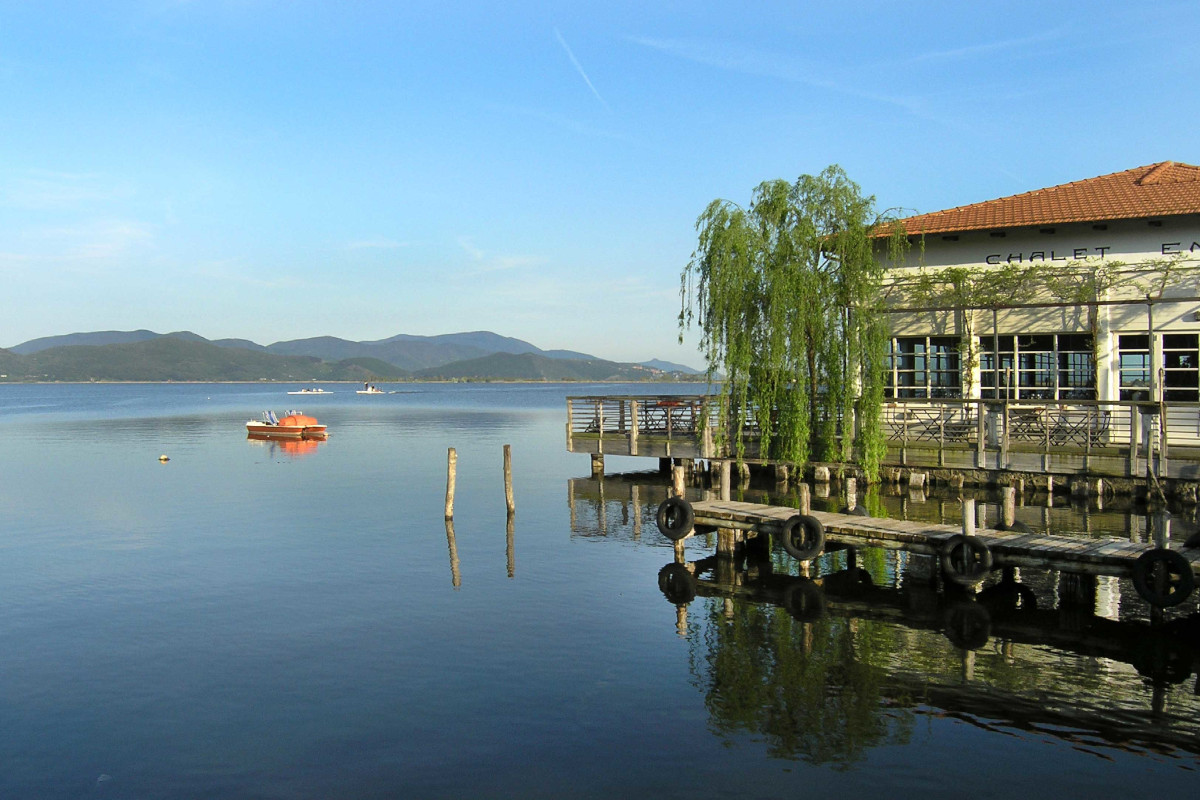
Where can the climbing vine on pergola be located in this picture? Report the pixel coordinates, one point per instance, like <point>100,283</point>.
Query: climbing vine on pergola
<point>786,294</point>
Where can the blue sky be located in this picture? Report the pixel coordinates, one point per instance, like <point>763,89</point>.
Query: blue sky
<point>274,170</point>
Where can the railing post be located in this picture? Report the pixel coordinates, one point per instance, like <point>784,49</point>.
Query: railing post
<point>1004,464</point>
<point>1135,440</point>
<point>633,427</point>
<point>570,425</point>
<point>941,412</point>
<point>1162,427</point>
<point>980,434</point>
<point>599,426</point>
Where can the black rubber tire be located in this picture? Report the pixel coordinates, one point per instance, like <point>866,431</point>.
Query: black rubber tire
<point>803,600</point>
<point>1007,598</point>
<point>1177,581</point>
<point>677,584</point>
<point>1163,658</point>
<point>967,625</point>
<point>675,518</point>
<point>966,560</point>
<point>1016,527</point>
<point>803,537</point>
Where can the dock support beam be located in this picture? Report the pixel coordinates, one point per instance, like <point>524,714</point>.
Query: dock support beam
<point>597,465</point>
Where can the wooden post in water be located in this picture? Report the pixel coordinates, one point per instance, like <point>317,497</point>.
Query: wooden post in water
<point>1009,514</point>
<point>805,492</point>
<point>968,517</point>
<point>508,490</point>
<point>677,479</point>
<point>451,474</point>
<point>726,480</point>
<point>851,493</point>
<point>455,576</point>
<point>510,547</point>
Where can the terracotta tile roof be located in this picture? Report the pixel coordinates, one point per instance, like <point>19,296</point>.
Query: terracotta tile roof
<point>1155,190</point>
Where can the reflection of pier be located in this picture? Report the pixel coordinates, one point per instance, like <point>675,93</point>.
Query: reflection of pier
<point>1011,646</point>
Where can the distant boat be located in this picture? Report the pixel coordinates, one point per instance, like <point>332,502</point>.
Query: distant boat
<point>292,425</point>
<point>367,389</point>
<point>315,390</point>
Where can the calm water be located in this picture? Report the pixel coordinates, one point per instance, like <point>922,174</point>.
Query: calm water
<point>259,620</point>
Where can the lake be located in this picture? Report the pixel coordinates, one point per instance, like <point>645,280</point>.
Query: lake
<point>276,620</point>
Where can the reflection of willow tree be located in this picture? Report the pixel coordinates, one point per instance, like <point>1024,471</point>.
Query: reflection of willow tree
<point>813,690</point>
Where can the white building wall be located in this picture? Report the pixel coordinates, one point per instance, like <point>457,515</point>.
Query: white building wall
<point>1134,247</point>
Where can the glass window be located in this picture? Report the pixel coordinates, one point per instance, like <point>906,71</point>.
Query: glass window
<point>1042,366</point>
<point>1181,357</point>
<point>923,366</point>
<point>1133,354</point>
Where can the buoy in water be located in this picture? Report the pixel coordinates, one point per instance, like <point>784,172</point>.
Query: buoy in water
<point>163,458</point>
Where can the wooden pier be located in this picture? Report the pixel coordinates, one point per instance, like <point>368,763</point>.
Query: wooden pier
<point>1163,576</point>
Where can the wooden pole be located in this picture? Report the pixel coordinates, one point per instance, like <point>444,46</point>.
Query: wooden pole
<point>451,474</point>
<point>510,547</point>
<point>805,493</point>
<point>455,576</point>
<point>508,490</point>
<point>968,517</point>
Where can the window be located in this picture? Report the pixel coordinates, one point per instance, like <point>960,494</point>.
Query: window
<point>1181,380</point>
<point>1134,359</point>
<point>1049,366</point>
<point>923,366</point>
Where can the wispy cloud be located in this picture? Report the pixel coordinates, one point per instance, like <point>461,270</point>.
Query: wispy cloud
<point>42,190</point>
<point>375,244</point>
<point>484,263</point>
<point>749,61</point>
<point>467,245</point>
<point>94,240</point>
<point>579,69</point>
<point>558,120</point>
<point>985,48</point>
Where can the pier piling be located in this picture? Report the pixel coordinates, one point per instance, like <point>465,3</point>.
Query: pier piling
<point>451,475</point>
<point>508,490</point>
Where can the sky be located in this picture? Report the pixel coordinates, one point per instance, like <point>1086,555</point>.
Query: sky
<point>280,169</point>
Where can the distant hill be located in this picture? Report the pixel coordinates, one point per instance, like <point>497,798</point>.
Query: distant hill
<point>71,339</point>
<point>183,355</point>
<point>418,352</point>
<point>169,358</point>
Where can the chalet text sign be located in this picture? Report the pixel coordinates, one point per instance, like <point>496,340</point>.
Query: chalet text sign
<point>1080,253</point>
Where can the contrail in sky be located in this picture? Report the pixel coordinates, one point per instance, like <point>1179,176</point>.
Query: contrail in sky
<point>579,68</point>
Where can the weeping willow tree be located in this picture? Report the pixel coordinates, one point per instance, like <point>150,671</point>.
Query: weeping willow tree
<point>786,294</point>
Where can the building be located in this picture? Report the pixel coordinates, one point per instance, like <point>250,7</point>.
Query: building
<point>1070,304</point>
<point>1132,235</point>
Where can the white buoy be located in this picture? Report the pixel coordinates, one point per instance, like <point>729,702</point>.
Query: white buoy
<point>163,458</point>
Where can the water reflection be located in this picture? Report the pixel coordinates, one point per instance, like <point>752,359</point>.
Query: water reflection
<point>828,664</point>
<point>286,448</point>
<point>828,667</point>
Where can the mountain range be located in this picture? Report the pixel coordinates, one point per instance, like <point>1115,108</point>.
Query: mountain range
<point>182,355</point>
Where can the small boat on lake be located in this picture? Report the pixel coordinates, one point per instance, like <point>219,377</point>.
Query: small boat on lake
<point>370,389</point>
<point>292,425</point>
<point>314,390</point>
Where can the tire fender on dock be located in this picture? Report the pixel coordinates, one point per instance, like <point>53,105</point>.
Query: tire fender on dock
<point>803,537</point>
<point>675,518</point>
<point>966,560</point>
